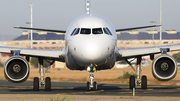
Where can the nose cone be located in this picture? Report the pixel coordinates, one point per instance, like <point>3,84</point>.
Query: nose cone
<point>92,50</point>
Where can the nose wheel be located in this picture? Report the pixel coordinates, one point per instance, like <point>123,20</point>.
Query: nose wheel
<point>88,86</point>
<point>93,87</point>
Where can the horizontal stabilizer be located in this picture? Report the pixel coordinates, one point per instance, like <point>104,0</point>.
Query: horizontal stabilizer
<point>42,29</point>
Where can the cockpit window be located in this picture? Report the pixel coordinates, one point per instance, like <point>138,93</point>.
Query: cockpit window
<point>97,31</point>
<point>85,31</point>
<point>75,31</point>
<point>107,31</point>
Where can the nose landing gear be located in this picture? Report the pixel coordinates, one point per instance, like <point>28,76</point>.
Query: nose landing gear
<point>92,84</point>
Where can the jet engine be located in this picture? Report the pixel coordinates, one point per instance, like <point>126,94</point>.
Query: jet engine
<point>16,69</point>
<point>164,68</point>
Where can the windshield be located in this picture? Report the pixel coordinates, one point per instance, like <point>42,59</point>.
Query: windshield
<point>97,31</point>
<point>107,31</point>
<point>75,31</point>
<point>85,31</point>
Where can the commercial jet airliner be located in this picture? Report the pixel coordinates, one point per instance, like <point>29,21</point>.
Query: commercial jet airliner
<point>90,45</point>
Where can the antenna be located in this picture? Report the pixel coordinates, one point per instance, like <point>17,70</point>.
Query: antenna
<point>87,6</point>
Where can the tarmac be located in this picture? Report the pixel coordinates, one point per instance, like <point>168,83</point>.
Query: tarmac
<point>73,88</point>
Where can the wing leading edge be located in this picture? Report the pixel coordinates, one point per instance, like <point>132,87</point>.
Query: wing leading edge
<point>42,29</point>
<point>133,28</point>
<point>53,54</point>
<point>133,52</point>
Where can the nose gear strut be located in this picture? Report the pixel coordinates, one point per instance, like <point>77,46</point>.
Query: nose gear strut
<point>92,84</point>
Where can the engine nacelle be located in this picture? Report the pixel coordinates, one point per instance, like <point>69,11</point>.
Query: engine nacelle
<point>164,68</point>
<point>16,69</point>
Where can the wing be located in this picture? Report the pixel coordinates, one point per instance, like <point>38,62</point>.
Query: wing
<point>133,28</point>
<point>42,29</point>
<point>134,52</point>
<point>52,54</point>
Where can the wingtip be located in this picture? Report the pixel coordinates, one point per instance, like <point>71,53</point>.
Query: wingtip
<point>16,27</point>
<point>158,25</point>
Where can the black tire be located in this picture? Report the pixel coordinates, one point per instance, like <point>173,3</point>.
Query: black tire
<point>144,82</point>
<point>36,84</point>
<point>48,84</point>
<point>88,86</point>
<point>94,86</point>
<point>131,82</point>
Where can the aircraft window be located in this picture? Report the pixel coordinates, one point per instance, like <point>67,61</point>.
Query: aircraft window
<point>105,31</point>
<point>77,31</point>
<point>73,31</point>
<point>85,31</point>
<point>109,31</point>
<point>97,31</point>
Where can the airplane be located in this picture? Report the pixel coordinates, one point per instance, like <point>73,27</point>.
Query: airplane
<point>90,45</point>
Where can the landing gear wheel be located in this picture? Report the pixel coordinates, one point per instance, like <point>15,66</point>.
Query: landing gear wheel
<point>131,82</point>
<point>144,82</point>
<point>36,84</point>
<point>88,86</point>
<point>48,84</point>
<point>94,86</point>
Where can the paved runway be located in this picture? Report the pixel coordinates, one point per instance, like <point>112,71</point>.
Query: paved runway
<point>71,88</point>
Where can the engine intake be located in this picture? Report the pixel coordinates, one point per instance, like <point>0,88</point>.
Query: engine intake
<point>164,68</point>
<point>16,69</point>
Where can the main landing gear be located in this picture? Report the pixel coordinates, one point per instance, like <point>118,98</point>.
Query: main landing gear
<point>139,82</point>
<point>41,83</point>
<point>92,84</point>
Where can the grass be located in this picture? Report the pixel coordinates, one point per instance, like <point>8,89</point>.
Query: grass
<point>127,75</point>
<point>52,99</point>
<point>122,62</point>
<point>23,99</point>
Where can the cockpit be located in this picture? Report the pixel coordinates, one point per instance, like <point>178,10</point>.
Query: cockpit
<point>88,31</point>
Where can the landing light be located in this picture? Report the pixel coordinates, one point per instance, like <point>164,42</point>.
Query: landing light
<point>88,69</point>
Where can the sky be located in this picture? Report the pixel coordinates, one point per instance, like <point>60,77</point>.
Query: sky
<point>58,14</point>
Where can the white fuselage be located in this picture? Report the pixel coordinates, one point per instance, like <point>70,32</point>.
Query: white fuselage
<point>90,39</point>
